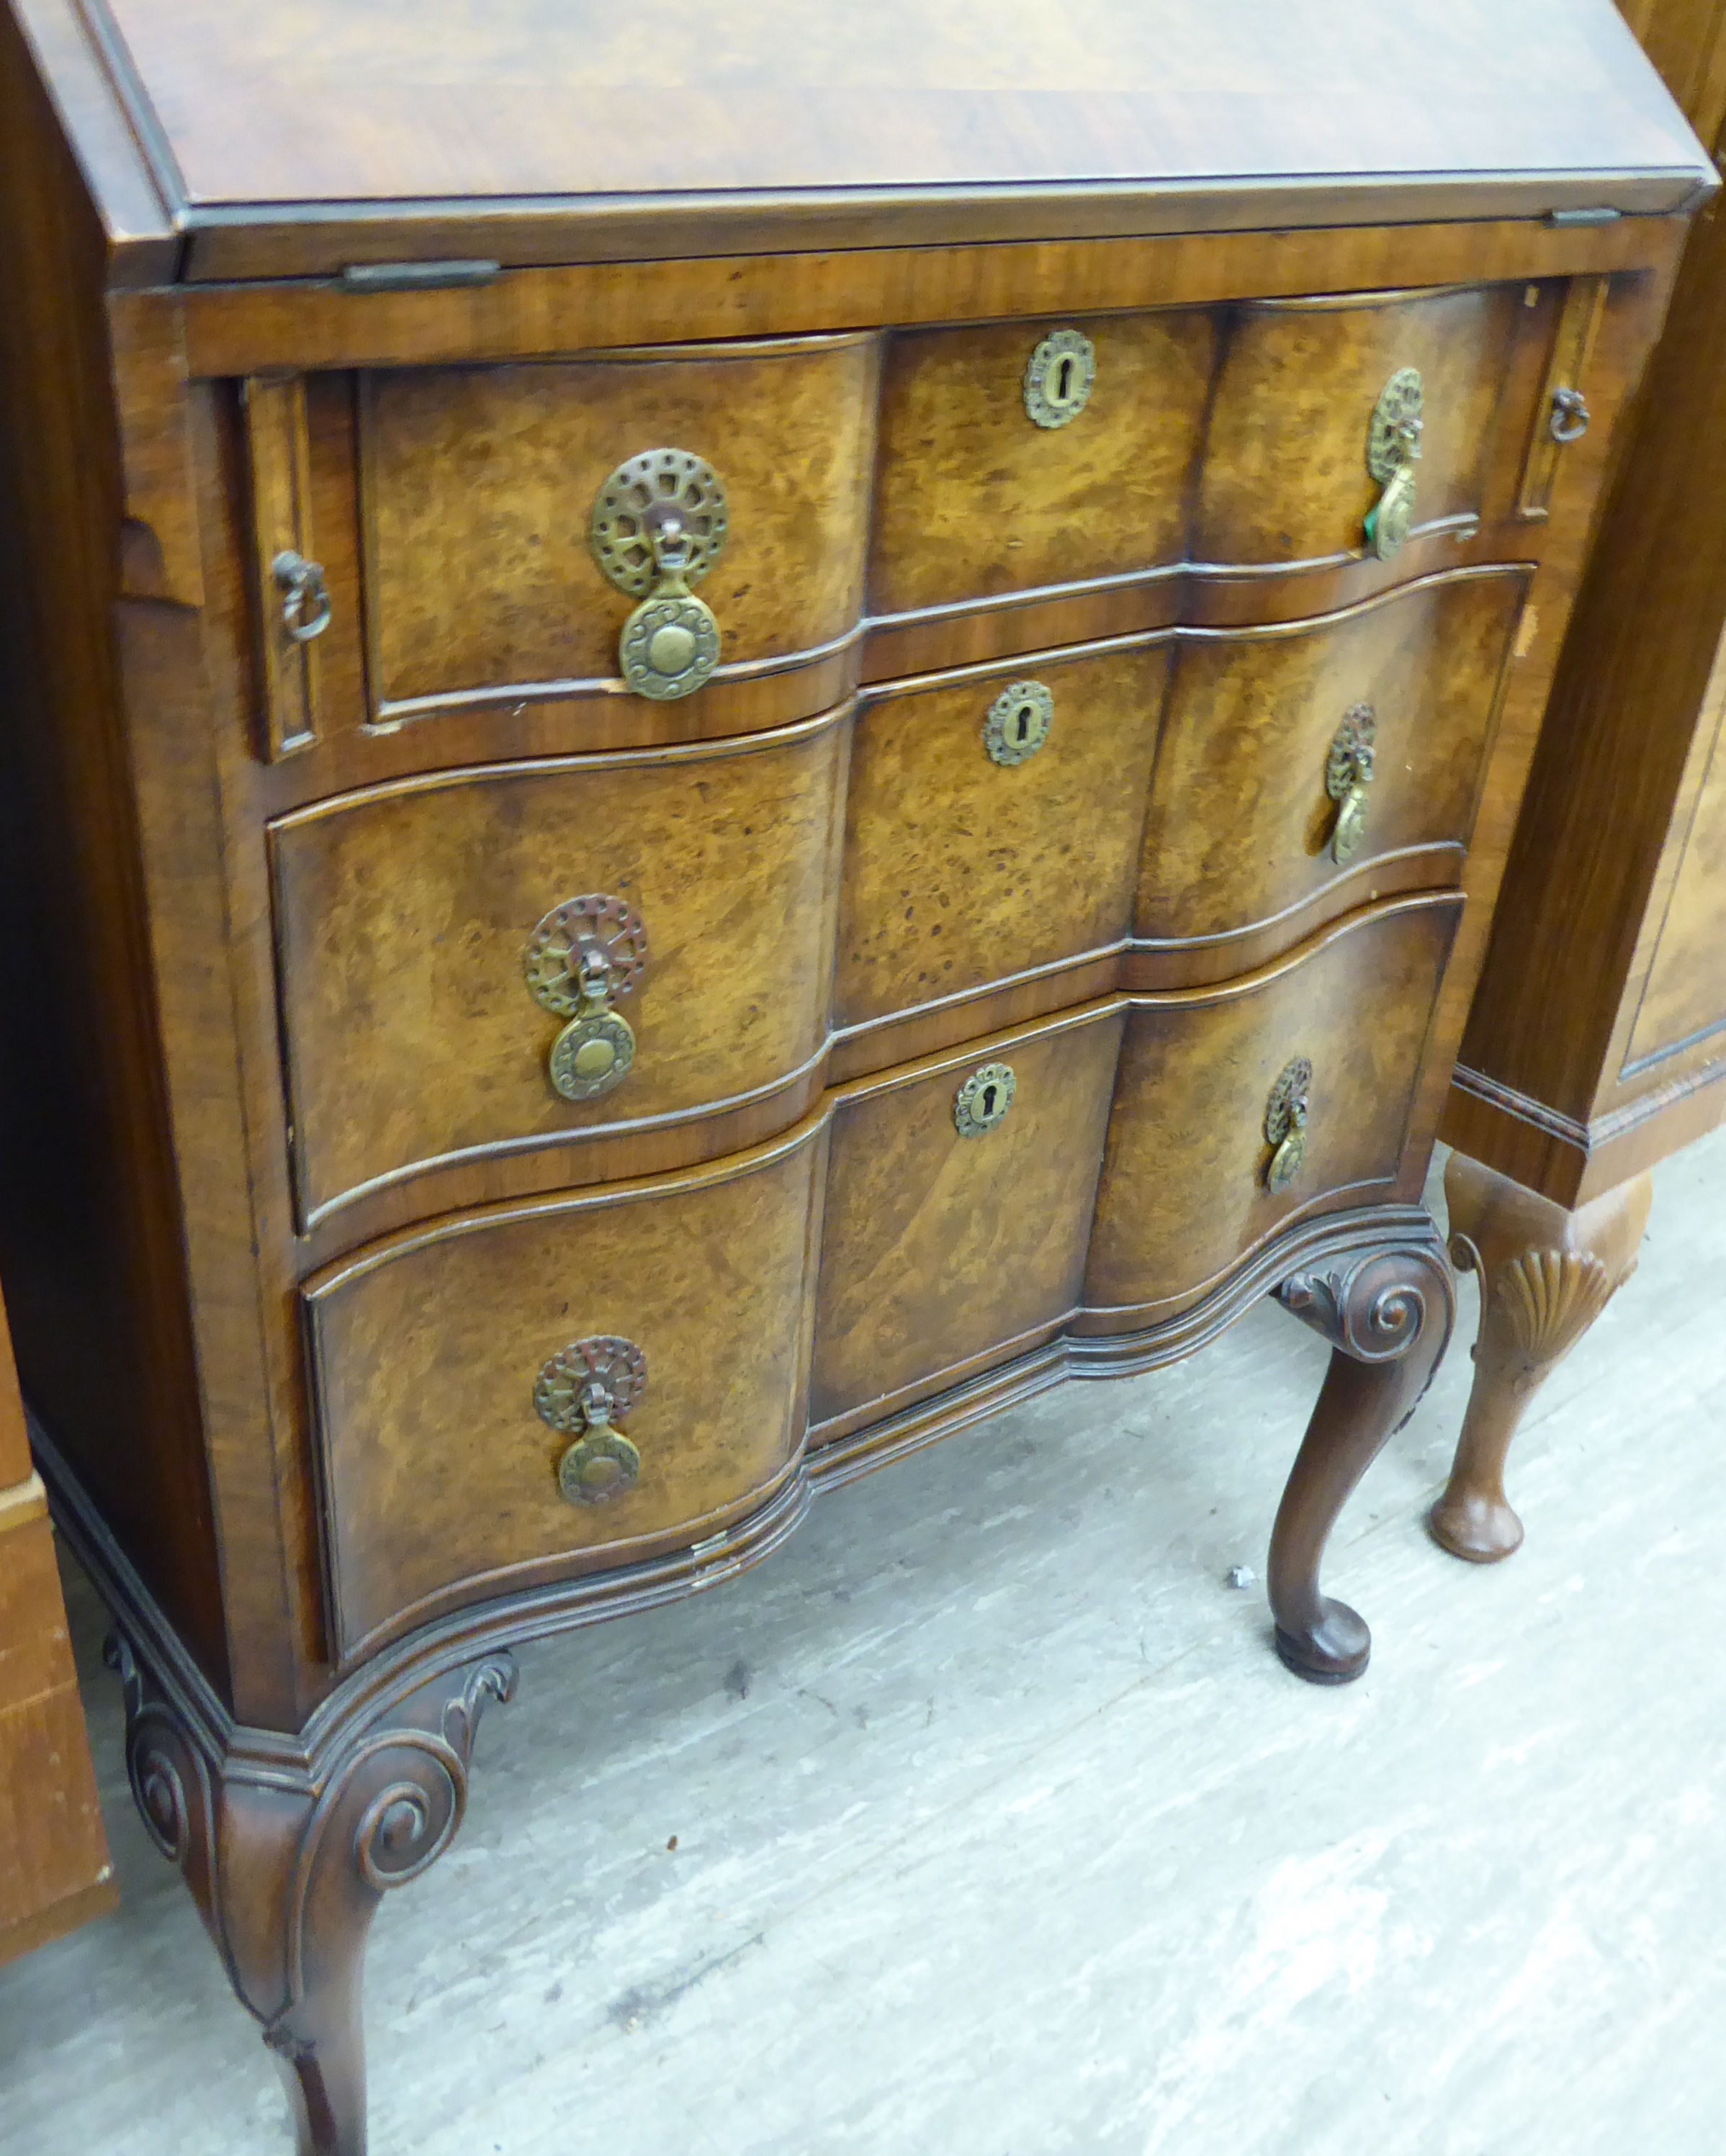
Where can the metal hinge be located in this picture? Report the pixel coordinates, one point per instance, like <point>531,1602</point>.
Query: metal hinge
<point>1583,216</point>
<point>415,276</point>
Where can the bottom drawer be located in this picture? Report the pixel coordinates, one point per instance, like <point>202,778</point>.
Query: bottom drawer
<point>439,1391</point>
<point>943,1251</point>
<point>1188,1186</point>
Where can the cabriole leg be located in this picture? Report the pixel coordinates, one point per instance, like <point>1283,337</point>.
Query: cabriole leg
<point>1387,1316</point>
<point>287,1867</point>
<point>1545,1276</point>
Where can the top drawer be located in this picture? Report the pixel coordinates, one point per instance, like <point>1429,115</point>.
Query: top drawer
<point>1230,437</point>
<point>451,512</point>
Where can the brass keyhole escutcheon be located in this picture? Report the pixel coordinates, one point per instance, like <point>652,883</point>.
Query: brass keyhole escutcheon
<point>658,526</point>
<point>1286,1124</point>
<point>1348,777</point>
<point>1393,449</point>
<point>1018,722</point>
<point>581,1391</point>
<point>982,1102</point>
<point>582,956</point>
<point>1058,377</point>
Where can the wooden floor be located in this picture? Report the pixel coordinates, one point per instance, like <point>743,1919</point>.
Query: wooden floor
<point>999,1831</point>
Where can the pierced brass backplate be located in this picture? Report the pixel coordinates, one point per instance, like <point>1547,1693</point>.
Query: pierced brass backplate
<point>579,1391</point>
<point>1018,722</point>
<point>1286,1124</point>
<point>1348,776</point>
<point>1393,449</point>
<point>982,1102</point>
<point>1058,377</point>
<point>658,526</point>
<point>582,957</point>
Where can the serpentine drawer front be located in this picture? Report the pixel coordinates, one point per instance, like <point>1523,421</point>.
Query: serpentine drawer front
<point>448,920</point>
<point>708,776</point>
<point>448,1331</point>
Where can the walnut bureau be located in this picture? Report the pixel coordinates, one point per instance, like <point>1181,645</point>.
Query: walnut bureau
<point>717,751</point>
<point>1597,1042</point>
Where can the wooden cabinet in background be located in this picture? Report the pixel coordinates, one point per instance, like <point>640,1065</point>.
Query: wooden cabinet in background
<point>54,1872</point>
<point>710,762</point>
<point>1597,1042</point>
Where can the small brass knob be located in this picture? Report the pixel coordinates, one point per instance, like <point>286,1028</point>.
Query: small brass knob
<point>1286,1124</point>
<point>1348,776</point>
<point>306,604</point>
<point>582,956</point>
<point>581,1391</point>
<point>1568,420</point>
<point>659,524</point>
<point>1393,449</point>
<point>1058,377</point>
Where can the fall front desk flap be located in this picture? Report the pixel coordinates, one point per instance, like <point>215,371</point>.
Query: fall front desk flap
<point>334,133</point>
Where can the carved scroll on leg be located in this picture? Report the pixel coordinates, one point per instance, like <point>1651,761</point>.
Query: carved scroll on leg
<point>288,1868</point>
<point>1546,1274</point>
<point>1387,1316</point>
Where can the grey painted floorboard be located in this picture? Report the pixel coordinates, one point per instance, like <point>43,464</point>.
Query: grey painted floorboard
<point>999,1830</point>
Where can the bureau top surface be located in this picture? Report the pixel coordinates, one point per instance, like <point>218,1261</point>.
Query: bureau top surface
<point>1097,115</point>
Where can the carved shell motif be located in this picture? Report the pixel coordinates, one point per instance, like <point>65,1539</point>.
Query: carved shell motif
<point>1543,1301</point>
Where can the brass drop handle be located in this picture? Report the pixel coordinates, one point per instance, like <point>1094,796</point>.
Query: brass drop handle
<point>1393,449</point>
<point>581,1392</point>
<point>658,526</point>
<point>1286,1124</point>
<point>1348,778</point>
<point>582,956</point>
<point>306,604</point>
<point>1568,420</point>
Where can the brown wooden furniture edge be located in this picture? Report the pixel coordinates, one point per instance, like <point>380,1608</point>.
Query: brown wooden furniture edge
<point>54,1923</point>
<point>1571,1162</point>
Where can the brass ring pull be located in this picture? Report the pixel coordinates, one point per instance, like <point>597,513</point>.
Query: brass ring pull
<point>1347,775</point>
<point>1393,449</point>
<point>1286,1124</point>
<point>1568,421</point>
<point>658,526</point>
<point>581,1391</point>
<point>582,957</point>
<point>306,604</point>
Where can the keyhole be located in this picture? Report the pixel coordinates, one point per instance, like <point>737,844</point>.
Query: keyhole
<point>989,1099</point>
<point>1064,380</point>
<point>1024,719</point>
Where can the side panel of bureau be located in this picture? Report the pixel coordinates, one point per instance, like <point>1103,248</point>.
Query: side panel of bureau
<point>91,1238</point>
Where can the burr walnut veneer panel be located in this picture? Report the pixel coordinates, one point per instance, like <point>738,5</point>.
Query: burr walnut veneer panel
<point>440,1473</point>
<point>1183,1193</point>
<point>403,916</point>
<point>1241,825</point>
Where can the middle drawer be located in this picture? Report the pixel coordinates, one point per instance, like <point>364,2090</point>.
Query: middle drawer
<point>456,953</point>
